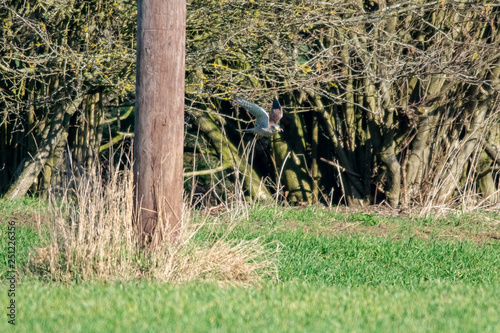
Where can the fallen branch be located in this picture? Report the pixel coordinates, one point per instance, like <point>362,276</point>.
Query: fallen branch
<point>115,140</point>
<point>122,117</point>
<point>206,172</point>
<point>341,168</point>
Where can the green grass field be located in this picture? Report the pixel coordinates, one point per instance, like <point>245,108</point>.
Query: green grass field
<point>337,272</point>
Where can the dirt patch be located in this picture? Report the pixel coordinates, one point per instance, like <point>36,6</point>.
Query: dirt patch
<point>395,232</point>
<point>294,225</point>
<point>346,228</point>
<point>384,210</point>
<point>484,237</point>
<point>380,230</point>
<point>385,230</point>
<point>379,210</point>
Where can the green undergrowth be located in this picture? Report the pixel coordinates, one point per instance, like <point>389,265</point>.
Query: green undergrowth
<point>26,221</point>
<point>290,307</point>
<point>337,272</point>
<point>321,219</point>
<point>315,246</point>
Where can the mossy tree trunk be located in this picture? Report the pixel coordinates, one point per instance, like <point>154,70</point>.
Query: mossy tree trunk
<point>290,151</point>
<point>51,137</point>
<point>229,154</point>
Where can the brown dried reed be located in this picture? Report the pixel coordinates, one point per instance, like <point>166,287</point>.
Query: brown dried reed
<point>93,239</point>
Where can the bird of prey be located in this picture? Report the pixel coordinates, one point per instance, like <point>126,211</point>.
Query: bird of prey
<point>265,125</point>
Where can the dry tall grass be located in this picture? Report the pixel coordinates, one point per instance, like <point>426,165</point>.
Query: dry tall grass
<point>94,240</point>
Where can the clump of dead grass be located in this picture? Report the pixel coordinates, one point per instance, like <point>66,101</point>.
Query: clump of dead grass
<point>93,239</point>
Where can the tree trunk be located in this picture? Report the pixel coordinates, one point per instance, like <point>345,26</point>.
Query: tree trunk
<point>419,154</point>
<point>290,151</point>
<point>51,137</point>
<point>314,156</point>
<point>159,118</point>
<point>351,183</point>
<point>228,153</point>
<point>388,157</point>
<point>450,179</point>
<point>485,180</point>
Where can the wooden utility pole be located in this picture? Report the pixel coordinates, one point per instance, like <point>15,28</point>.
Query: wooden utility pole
<point>159,118</point>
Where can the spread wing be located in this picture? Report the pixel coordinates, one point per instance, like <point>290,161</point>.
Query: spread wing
<point>276,113</point>
<point>261,117</point>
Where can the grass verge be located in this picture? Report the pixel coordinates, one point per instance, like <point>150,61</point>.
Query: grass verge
<point>337,272</point>
<point>291,307</point>
<point>93,239</point>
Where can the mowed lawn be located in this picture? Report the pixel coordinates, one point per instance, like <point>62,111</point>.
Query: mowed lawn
<point>337,272</point>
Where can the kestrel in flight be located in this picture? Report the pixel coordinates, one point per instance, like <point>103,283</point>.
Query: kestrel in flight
<point>265,125</point>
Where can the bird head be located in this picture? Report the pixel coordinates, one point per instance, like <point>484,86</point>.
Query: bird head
<point>276,128</point>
